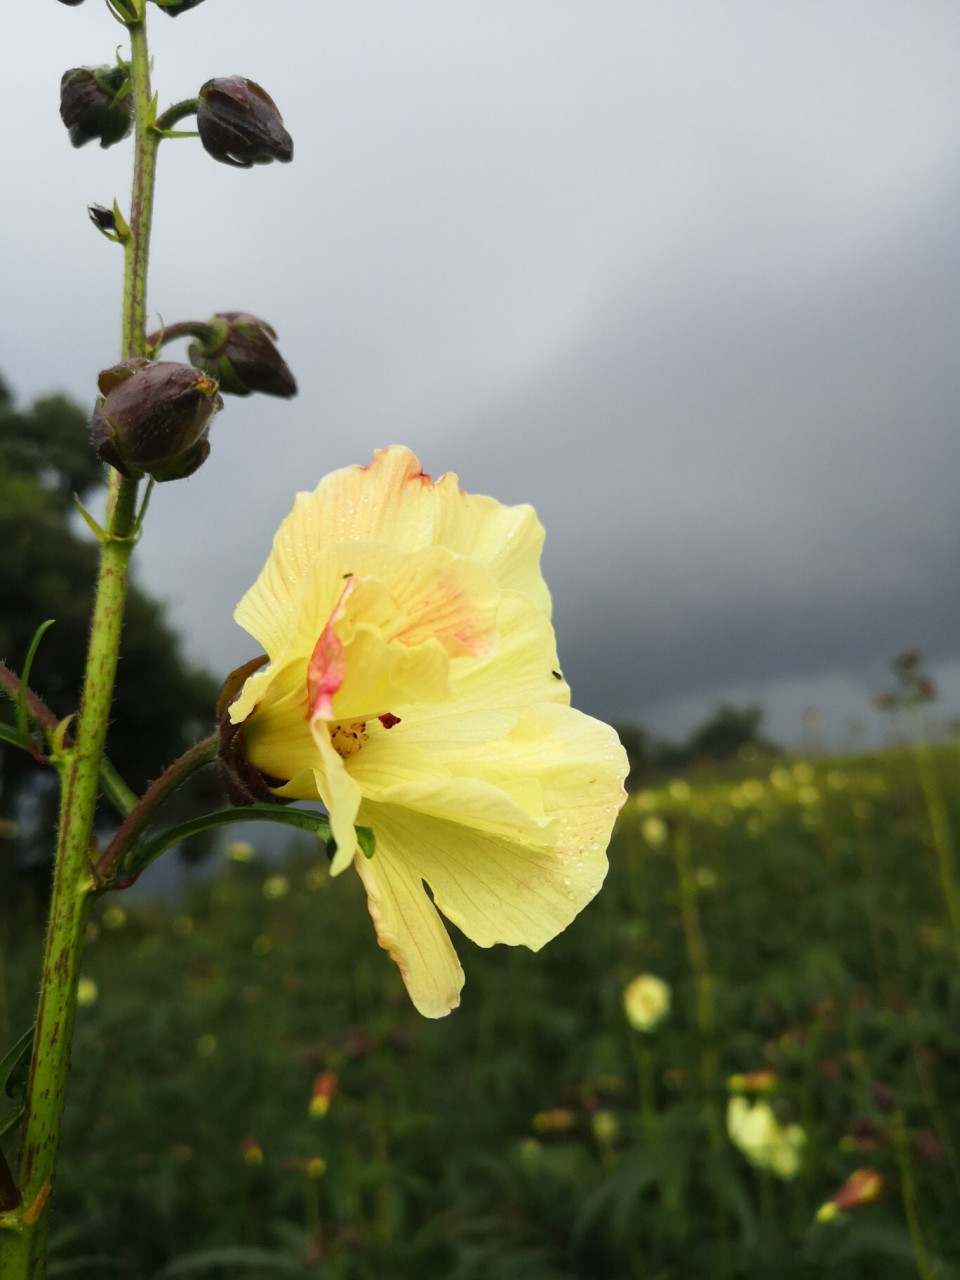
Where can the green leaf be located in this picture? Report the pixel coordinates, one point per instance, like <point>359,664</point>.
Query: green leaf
<point>140,858</point>
<point>15,1066</point>
<point>22,719</point>
<point>95,1264</point>
<point>209,1259</point>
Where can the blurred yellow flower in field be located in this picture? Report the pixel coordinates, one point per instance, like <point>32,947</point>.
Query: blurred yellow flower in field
<point>646,1001</point>
<point>114,918</point>
<point>241,851</point>
<point>654,831</point>
<point>767,1144</point>
<point>275,887</point>
<point>87,992</point>
<point>679,788</point>
<point>558,1120</point>
<point>413,687</point>
<point>605,1127</point>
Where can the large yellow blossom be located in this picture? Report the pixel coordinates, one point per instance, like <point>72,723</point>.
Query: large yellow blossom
<point>413,687</point>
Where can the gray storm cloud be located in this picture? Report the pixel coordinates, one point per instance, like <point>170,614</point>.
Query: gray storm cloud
<point>685,277</point>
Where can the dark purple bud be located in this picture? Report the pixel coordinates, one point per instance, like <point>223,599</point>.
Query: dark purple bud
<point>883,1096</point>
<point>239,123</point>
<point>240,353</point>
<point>95,103</point>
<point>173,7</point>
<point>153,418</point>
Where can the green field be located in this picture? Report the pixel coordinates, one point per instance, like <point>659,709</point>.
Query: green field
<point>795,909</point>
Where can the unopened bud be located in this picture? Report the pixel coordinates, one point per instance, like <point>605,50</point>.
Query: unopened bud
<point>252,1152</point>
<point>754,1082</point>
<point>239,123</point>
<point>95,103</point>
<point>321,1093</point>
<point>153,419</point>
<point>863,1187</point>
<point>883,1096</point>
<point>173,7</point>
<point>241,355</point>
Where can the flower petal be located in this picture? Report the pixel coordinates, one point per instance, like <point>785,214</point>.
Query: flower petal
<point>409,928</point>
<point>390,501</point>
<point>528,888</point>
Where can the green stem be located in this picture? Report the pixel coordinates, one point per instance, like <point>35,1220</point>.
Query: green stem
<point>939,824</point>
<point>137,245</point>
<point>198,756</point>
<point>173,115</point>
<point>23,1234</point>
<point>207,331</point>
<point>908,1192</point>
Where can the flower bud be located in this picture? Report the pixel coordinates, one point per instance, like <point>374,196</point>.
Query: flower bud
<point>239,123</point>
<point>240,354</point>
<point>95,103</point>
<point>154,418</point>
<point>173,7</point>
<point>863,1187</point>
<point>321,1093</point>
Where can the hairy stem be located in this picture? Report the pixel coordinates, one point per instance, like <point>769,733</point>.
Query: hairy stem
<point>23,1235</point>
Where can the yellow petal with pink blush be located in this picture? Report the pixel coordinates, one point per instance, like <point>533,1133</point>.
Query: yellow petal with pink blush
<point>391,502</point>
<point>414,688</point>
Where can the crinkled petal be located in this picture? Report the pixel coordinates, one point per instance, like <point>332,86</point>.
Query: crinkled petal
<point>528,888</point>
<point>390,501</point>
<point>489,696</point>
<point>409,928</point>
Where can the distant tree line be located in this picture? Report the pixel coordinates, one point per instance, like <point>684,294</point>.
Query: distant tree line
<point>721,737</point>
<point>48,564</point>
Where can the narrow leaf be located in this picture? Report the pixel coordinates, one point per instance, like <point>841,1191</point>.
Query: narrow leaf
<point>22,720</point>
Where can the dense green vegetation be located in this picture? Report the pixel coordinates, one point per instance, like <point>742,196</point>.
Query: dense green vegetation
<point>794,909</point>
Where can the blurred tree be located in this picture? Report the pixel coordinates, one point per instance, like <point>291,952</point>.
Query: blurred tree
<point>725,731</point>
<point>47,570</point>
<point>640,752</point>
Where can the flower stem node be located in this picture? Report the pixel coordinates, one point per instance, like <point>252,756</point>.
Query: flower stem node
<point>239,123</point>
<point>95,103</point>
<point>153,419</point>
<point>240,353</point>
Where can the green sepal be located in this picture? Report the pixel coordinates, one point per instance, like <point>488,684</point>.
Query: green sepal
<point>366,839</point>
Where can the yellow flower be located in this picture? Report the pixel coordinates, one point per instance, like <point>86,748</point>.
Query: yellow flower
<point>413,687</point>
<point>87,991</point>
<point>646,1001</point>
<point>766,1143</point>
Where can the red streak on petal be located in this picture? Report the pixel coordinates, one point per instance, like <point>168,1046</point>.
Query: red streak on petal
<point>327,666</point>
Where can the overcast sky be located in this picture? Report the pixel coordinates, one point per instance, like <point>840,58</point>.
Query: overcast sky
<point>685,275</point>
